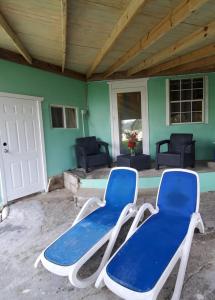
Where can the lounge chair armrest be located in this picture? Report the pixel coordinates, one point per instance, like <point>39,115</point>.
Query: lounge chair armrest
<point>163,142</point>
<point>139,216</point>
<point>102,143</point>
<point>128,210</point>
<point>90,201</point>
<point>196,222</point>
<point>105,145</point>
<point>158,144</point>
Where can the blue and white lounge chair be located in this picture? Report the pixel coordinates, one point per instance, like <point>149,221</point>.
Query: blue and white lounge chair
<point>72,249</point>
<point>141,266</point>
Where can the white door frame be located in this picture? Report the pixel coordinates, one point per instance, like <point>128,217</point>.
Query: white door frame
<point>123,86</point>
<point>3,190</point>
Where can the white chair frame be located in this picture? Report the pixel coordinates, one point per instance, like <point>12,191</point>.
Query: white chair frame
<point>182,253</point>
<point>128,212</point>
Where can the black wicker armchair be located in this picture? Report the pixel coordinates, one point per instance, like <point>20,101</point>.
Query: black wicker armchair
<point>180,154</point>
<point>89,153</point>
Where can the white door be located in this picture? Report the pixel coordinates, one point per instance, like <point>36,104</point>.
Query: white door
<point>21,147</point>
<point>129,113</point>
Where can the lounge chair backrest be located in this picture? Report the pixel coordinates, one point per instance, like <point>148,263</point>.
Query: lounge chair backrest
<point>122,187</point>
<point>179,192</point>
<point>89,143</point>
<point>178,140</point>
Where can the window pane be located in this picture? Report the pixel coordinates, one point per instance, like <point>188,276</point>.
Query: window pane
<point>174,84</point>
<point>175,107</point>
<point>186,84</point>
<point>185,106</point>
<point>198,94</point>
<point>174,95</point>
<point>197,106</point>
<point>130,120</point>
<point>70,117</point>
<point>185,117</point>
<point>175,118</point>
<point>198,83</point>
<point>197,117</point>
<point>57,117</point>
<point>186,98</point>
<point>186,95</point>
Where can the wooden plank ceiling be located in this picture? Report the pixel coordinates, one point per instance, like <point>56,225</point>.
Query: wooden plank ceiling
<point>105,39</point>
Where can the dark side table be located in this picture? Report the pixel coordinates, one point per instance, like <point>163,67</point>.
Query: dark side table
<point>138,161</point>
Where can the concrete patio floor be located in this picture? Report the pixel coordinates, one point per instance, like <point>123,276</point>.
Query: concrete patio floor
<point>35,221</point>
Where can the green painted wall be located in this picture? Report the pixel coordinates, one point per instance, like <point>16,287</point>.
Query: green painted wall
<point>55,89</point>
<point>99,111</point>
<point>204,134</point>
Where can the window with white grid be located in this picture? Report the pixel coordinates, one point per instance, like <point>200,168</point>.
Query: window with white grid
<point>186,100</point>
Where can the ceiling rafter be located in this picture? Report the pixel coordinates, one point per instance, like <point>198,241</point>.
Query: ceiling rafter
<point>64,31</point>
<point>129,13</point>
<point>14,37</point>
<point>181,60</point>
<point>199,66</point>
<point>175,17</point>
<point>194,38</point>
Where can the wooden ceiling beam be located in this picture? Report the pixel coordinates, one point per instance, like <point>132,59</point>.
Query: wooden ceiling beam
<point>203,65</point>
<point>64,31</point>
<point>128,15</point>
<point>197,36</point>
<point>175,17</point>
<point>38,64</point>
<point>181,60</point>
<point>14,37</point>
<point>199,66</point>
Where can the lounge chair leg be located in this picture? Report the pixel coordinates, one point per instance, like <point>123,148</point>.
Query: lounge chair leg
<point>37,261</point>
<point>184,258</point>
<point>100,280</point>
<point>82,283</point>
<point>201,226</point>
<point>180,278</point>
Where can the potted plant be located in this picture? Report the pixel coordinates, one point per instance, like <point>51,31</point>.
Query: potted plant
<point>132,141</point>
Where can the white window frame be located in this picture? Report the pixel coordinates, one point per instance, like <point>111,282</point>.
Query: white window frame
<point>205,101</point>
<point>64,116</point>
<point>124,86</point>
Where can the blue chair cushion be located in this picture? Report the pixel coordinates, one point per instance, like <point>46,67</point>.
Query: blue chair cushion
<point>75,242</point>
<point>141,261</point>
<point>178,193</point>
<point>121,188</point>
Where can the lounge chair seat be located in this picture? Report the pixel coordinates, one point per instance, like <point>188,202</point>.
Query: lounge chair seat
<point>155,243</point>
<point>75,243</point>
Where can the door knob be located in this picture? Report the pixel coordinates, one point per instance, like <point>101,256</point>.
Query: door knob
<point>6,150</point>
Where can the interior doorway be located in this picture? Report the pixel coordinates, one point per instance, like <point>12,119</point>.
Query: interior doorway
<point>129,113</point>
